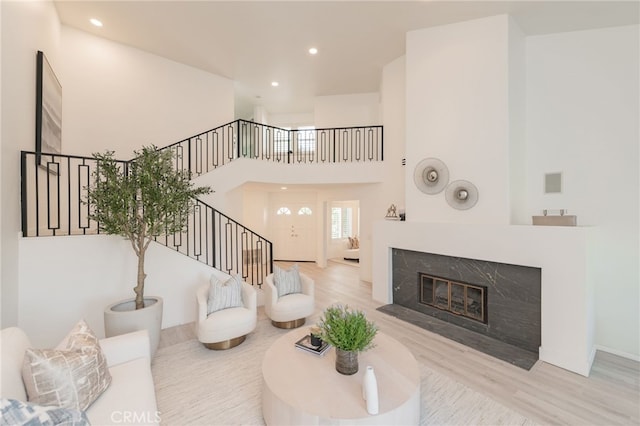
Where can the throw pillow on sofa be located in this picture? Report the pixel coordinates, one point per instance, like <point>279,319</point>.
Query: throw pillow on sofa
<point>354,243</point>
<point>287,281</point>
<point>70,378</point>
<point>16,412</point>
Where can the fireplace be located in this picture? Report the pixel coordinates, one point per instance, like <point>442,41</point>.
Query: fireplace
<point>466,300</point>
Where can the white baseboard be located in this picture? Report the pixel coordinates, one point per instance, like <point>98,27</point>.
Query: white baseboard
<point>618,353</point>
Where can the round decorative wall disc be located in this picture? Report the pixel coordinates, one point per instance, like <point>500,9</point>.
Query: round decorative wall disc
<point>431,175</point>
<point>461,194</point>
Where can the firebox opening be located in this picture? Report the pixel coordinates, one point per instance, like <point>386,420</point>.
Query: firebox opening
<point>463,299</point>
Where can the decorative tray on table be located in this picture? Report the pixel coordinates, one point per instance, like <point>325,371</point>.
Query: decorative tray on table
<point>304,344</point>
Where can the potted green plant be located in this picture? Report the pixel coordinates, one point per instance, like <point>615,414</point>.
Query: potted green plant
<point>349,332</point>
<point>140,200</point>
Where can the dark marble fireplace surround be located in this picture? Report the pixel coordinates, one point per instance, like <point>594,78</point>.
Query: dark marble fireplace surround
<point>513,298</point>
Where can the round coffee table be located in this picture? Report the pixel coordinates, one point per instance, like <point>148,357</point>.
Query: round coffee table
<point>304,388</point>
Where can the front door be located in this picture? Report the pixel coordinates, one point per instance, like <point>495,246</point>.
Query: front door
<point>294,225</point>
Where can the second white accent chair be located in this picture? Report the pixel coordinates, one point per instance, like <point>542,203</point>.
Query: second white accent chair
<point>289,310</point>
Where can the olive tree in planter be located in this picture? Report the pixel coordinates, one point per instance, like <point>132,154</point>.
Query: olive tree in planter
<point>140,201</point>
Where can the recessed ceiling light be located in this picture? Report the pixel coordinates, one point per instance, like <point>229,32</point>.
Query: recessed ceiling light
<point>95,22</point>
<point>275,83</point>
<point>283,187</point>
<point>313,50</point>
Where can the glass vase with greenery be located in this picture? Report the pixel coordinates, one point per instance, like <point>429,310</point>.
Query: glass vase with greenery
<point>349,332</point>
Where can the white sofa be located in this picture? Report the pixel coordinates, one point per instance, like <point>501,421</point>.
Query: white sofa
<point>351,254</point>
<point>352,249</point>
<point>129,399</point>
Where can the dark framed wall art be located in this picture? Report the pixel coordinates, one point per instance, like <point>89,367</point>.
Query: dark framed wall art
<point>48,108</point>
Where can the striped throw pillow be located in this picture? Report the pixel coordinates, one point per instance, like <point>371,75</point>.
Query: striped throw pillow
<point>287,281</point>
<point>223,295</point>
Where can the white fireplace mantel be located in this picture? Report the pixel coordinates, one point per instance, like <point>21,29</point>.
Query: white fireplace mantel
<point>562,253</point>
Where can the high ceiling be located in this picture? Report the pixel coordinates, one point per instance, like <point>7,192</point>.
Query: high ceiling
<point>257,42</point>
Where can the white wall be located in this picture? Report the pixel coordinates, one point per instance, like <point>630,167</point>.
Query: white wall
<point>517,124</point>
<point>347,110</point>
<point>68,278</point>
<point>9,313</point>
<point>235,174</point>
<point>457,104</point>
<point>582,120</point>
<point>26,28</point>
<point>120,98</point>
<point>260,115</point>
<point>256,211</point>
<point>393,108</point>
<point>291,121</point>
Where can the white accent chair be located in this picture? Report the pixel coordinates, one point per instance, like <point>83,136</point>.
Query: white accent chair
<point>229,327</point>
<point>290,310</point>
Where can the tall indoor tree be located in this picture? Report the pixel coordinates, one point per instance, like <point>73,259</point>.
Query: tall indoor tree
<point>140,200</point>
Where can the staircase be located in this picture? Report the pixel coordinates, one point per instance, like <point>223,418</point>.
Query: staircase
<point>54,185</point>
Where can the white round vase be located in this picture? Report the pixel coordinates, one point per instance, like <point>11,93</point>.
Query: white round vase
<point>370,390</point>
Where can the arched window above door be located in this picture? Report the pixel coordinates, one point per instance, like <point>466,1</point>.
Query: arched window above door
<point>305,211</point>
<point>283,210</point>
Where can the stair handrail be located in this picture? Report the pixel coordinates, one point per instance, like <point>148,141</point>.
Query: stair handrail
<point>56,184</point>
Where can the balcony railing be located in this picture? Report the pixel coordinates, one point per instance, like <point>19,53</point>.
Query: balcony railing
<point>209,150</point>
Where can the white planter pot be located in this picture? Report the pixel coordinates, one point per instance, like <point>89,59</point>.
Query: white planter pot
<point>122,317</point>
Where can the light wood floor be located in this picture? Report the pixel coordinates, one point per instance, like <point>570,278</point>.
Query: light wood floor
<point>546,394</point>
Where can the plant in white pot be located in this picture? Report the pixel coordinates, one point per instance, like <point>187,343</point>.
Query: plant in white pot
<point>141,200</point>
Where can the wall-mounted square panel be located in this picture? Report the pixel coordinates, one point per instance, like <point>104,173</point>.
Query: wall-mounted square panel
<point>552,183</point>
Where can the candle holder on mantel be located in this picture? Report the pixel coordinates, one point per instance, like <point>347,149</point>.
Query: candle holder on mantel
<point>560,219</point>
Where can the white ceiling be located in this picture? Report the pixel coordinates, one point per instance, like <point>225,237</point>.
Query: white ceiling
<point>256,42</point>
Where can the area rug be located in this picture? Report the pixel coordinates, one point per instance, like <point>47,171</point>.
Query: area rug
<point>196,386</point>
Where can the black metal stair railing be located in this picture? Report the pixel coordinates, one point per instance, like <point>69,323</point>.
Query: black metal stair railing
<point>219,241</point>
<point>53,187</point>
